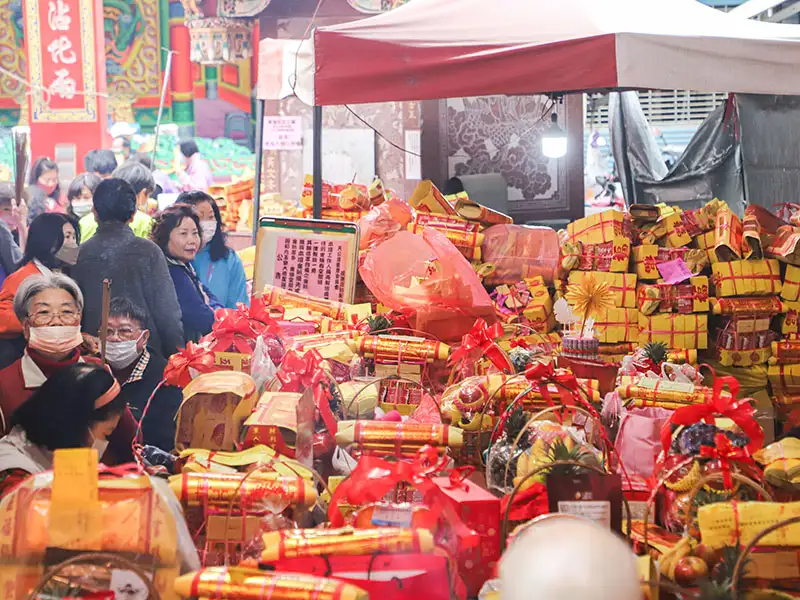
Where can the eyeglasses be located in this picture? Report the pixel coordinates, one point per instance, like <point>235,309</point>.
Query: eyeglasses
<point>64,317</point>
<point>124,334</point>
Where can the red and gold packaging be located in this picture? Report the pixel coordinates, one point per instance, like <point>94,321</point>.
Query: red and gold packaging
<point>463,234</point>
<point>238,583</point>
<point>302,543</point>
<point>622,285</point>
<point>399,439</point>
<point>688,297</point>
<point>201,489</point>
<point>615,325</point>
<point>273,423</point>
<point>789,323</point>
<point>612,256</point>
<point>646,259</point>
<point>677,235</point>
<point>428,198</point>
<point>480,511</point>
<point>395,348</point>
<point>471,210</point>
<point>768,306</point>
<point>728,236</point>
<point>276,296</point>
<point>785,352</point>
<point>784,379</point>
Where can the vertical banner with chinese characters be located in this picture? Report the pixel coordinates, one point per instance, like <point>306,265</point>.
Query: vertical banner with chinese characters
<point>66,71</point>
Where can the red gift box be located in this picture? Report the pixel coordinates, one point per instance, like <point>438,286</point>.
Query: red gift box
<point>385,576</point>
<point>480,512</point>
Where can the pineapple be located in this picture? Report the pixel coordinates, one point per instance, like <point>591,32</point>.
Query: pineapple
<point>378,323</point>
<point>656,352</point>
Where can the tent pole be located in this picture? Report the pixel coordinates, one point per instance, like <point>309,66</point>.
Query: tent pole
<point>317,162</point>
<point>259,165</point>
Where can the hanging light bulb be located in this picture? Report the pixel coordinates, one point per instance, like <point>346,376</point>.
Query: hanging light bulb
<point>554,140</point>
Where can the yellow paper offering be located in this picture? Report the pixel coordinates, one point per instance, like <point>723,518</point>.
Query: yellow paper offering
<point>720,522</point>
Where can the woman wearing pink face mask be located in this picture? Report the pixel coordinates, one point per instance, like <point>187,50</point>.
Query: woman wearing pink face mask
<point>50,308</point>
<point>44,191</point>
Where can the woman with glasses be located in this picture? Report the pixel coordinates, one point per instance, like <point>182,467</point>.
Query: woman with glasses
<point>50,309</point>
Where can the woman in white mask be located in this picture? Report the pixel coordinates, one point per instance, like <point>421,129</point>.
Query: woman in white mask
<point>80,194</point>
<point>217,265</point>
<point>78,407</point>
<point>52,247</point>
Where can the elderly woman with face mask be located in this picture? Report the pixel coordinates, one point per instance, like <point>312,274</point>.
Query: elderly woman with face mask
<point>50,308</point>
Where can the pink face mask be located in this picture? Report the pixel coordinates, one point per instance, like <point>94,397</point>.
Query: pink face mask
<point>55,339</point>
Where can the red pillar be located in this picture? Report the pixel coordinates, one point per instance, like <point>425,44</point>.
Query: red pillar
<point>181,76</point>
<point>66,67</point>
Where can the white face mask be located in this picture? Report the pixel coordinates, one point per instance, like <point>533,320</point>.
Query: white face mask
<point>207,230</point>
<point>122,354</point>
<point>81,207</point>
<point>99,445</point>
<point>56,339</point>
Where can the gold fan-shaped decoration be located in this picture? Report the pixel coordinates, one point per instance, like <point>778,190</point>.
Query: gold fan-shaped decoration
<point>590,298</point>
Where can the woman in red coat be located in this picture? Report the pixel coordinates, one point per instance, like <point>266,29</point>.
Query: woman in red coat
<point>50,309</point>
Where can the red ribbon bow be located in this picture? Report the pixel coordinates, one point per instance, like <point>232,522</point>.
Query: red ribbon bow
<point>196,356</point>
<point>299,372</point>
<point>374,477</point>
<point>738,411</point>
<point>483,337</point>
<point>238,328</point>
<point>726,452</point>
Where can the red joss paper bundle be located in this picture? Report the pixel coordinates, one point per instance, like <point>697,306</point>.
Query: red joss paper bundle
<point>196,489</point>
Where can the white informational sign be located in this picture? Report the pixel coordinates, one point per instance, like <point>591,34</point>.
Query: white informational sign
<point>594,510</point>
<point>283,133</point>
<point>348,155</point>
<point>413,158</point>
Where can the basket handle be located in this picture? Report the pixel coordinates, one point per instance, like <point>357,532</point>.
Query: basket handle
<point>109,557</point>
<point>504,522</point>
<point>739,567</point>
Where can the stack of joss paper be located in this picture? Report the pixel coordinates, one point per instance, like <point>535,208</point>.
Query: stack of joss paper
<point>458,217</point>
<point>346,202</point>
<point>599,247</point>
<point>527,303</point>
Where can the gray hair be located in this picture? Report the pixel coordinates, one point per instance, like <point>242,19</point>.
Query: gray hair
<point>36,284</point>
<point>137,175</point>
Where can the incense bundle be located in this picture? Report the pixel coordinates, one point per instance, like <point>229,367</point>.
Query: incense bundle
<point>276,296</point>
<point>200,489</point>
<point>396,438</point>
<point>302,543</point>
<point>401,349</point>
<point>221,583</point>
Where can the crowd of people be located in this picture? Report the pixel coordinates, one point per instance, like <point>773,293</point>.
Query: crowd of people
<point>168,273</point>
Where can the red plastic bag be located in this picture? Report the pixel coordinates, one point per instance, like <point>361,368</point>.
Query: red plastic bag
<point>426,277</point>
<point>519,252</point>
<point>383,221</point>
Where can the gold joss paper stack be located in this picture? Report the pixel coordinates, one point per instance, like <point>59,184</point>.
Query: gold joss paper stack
<point>396,439</point>
<point>665,394</point>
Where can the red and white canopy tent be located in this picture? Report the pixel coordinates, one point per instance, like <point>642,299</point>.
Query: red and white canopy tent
<point>429,49</point>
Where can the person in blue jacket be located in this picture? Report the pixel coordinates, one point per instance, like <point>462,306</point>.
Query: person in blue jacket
<point>176,230</point>
<point>218,266</point>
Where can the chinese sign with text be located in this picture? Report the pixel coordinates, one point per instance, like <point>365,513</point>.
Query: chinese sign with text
<point>61,60</point>
<point>312,266</point>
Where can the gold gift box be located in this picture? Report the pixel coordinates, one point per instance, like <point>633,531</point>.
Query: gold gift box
<point>728,524</point>
<point>615,325</point>
<point>789,322</point>
<point>598,228</point>
<point>677,331</point>
<point>539,312</point>
<point>622,285</point>
<point>706,242</point>
<point>675,298</point>
<point>747,278</point>
<point>677,236</point>
<point>645,259</point>
<point>784,379</point>
<point>791,284</point>
<point>613,256</point>
<point>744,358</point>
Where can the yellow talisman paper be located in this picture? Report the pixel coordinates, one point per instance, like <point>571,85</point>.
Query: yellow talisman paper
<point>615,325</point>
<point>76,520</point>
<point>677,236</point>
<point>744,358</point>
<point>622,285</point>
<point>598,228</point>
<point>790,319</point>
<point>727,523</point>
<point>706,242</point>
<point>791,284</point>
<point>677,331</point>
<point>784,378</point>
<point>747,278</point>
